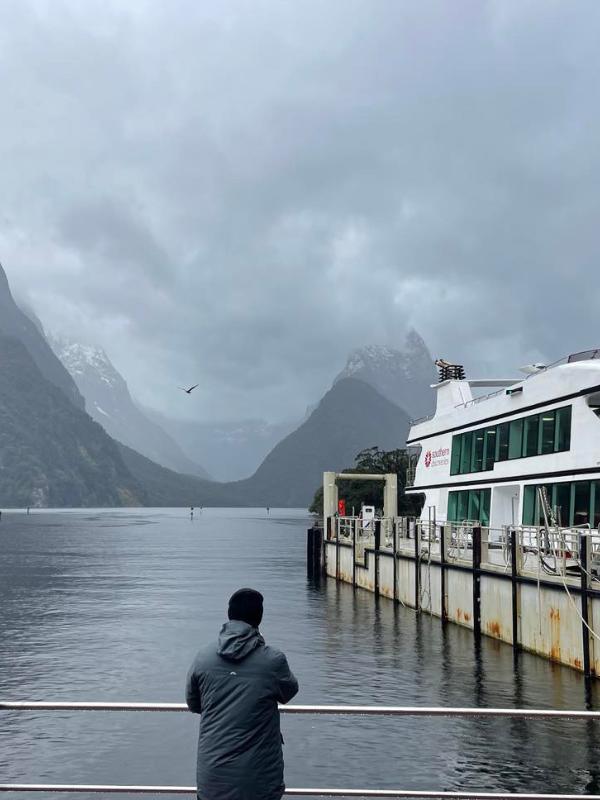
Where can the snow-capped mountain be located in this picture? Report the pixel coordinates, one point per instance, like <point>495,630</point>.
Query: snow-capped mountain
<point>109,402</point>
<point>403,376</point>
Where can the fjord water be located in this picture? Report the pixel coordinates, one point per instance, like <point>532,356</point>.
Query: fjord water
<point>112,605</point>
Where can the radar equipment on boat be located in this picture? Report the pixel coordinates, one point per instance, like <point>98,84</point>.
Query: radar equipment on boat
<point>532,369</point>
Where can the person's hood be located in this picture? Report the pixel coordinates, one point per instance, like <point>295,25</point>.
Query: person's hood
<point>237,640</point>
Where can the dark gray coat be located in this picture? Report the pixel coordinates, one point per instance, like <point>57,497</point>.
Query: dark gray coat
<point>236,686</point>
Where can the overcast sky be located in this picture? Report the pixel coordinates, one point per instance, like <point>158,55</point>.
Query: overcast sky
<point>237,193</point>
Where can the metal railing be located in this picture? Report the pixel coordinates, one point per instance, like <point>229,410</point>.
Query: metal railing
<point>334,710</point>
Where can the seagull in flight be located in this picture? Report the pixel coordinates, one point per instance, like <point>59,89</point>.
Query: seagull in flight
<point>190,390</point>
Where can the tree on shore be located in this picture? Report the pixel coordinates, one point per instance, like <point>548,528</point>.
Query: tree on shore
<point>357,493</point>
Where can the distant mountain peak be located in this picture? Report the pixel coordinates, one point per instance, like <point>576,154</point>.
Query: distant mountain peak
<point>111,405</point>
<point>78,357</point>
<point>402,375</point>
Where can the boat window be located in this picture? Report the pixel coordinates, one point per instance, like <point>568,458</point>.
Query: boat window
<point>561,503</point>
<point>502,442</point>
<point>489,449</point>
<point>478,450</point>
<point>595,504</point>
<point>562,435</point>
<point>452,498</point>
<point>472,504</point>
<point>548,421</point>
<point>530,435</point>
<point>455,457</point>
<point>515,438</point>
<point>477,454</point>
<point>581,510</point>
<point>572,503</point>
<point>529,505</point>
<point>484,515</point>
<point>462,506</point>
<point>465,452</point>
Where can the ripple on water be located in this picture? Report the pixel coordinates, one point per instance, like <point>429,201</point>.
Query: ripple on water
<point>112,606</point>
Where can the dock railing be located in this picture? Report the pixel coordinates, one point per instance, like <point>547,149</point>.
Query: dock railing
<point>333,710</point>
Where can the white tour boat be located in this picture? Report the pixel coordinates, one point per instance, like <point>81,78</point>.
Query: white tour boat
<point>482,459</point>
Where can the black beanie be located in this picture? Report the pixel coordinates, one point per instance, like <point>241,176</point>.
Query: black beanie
<point>246,605</point>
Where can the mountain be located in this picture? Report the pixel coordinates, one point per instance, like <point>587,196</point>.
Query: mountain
<point>52,454</point>
<point>350,417</point>
<point>15,323</point>
<point>165,488</point>
<point>233,450</point>
<point>109,402</point>
<point>402,376</point>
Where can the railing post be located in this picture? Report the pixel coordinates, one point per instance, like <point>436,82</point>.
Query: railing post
<point>314,547</point>
<point>354,553</point>
<point>377,546</point>
<point>417,530</point>
<point>514,573</point>
<point>477,582</point>
<point>584,556</point>
<point>395,564</point>
<point>443,595</point>
<point>337,550</point>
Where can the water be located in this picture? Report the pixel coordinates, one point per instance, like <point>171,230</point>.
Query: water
<point>112,605</point>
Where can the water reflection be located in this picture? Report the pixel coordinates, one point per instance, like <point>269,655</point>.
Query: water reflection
<point>113,606</point>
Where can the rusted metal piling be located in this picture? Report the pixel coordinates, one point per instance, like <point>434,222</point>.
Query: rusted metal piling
<point>508,585</point>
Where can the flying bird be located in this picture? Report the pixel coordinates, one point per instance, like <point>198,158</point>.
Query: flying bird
<point>190,390</point>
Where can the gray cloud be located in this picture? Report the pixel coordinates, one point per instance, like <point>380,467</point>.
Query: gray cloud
<point>239,193</point>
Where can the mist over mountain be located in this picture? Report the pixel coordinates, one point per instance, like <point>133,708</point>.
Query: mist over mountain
<point>15,323</point>
<point>52,454</point>
<point>109,402</point>
<point>231,450</point>
<point>351,416</point>
<point>403,376</point>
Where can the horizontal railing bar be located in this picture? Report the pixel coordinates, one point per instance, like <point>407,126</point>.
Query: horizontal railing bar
<point>333,710</point>
<point>414,793</point>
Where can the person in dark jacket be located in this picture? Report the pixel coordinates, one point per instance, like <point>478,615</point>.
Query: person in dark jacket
<point>237,687</point>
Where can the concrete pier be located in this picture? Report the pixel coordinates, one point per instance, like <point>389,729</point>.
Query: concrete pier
<point>508,585</point>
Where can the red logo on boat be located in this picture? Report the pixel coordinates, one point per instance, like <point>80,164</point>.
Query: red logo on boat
<point>428,458</point>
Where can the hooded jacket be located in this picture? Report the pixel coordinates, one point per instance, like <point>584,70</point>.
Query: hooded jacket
<point>237,687</point>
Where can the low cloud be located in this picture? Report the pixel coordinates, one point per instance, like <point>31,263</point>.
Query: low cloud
<point>239,194</point>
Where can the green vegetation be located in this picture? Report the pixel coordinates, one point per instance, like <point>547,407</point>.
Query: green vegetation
<point>359,493</point>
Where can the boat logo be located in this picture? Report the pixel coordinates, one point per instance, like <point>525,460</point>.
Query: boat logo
<point>437,458</point>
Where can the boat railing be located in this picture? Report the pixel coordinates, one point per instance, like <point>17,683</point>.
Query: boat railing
<point>331,710</point>
<point>553,551</point>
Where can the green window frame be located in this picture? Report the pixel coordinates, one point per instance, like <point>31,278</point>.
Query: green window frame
<point>529,496</point>
<point>515,438</point>
<point>531,430</point>
<point>471,504</point>
<point>489,452</point>
<point>455,457</point>
<point>538,434</point>
<point>573,503</point>
<point>452,506</point>
<point>581,503</point>
<point>465,452</point>
<point>502,441</point>
<point>562,433</point>
<point>546,434</point>
<point>477,450</point>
